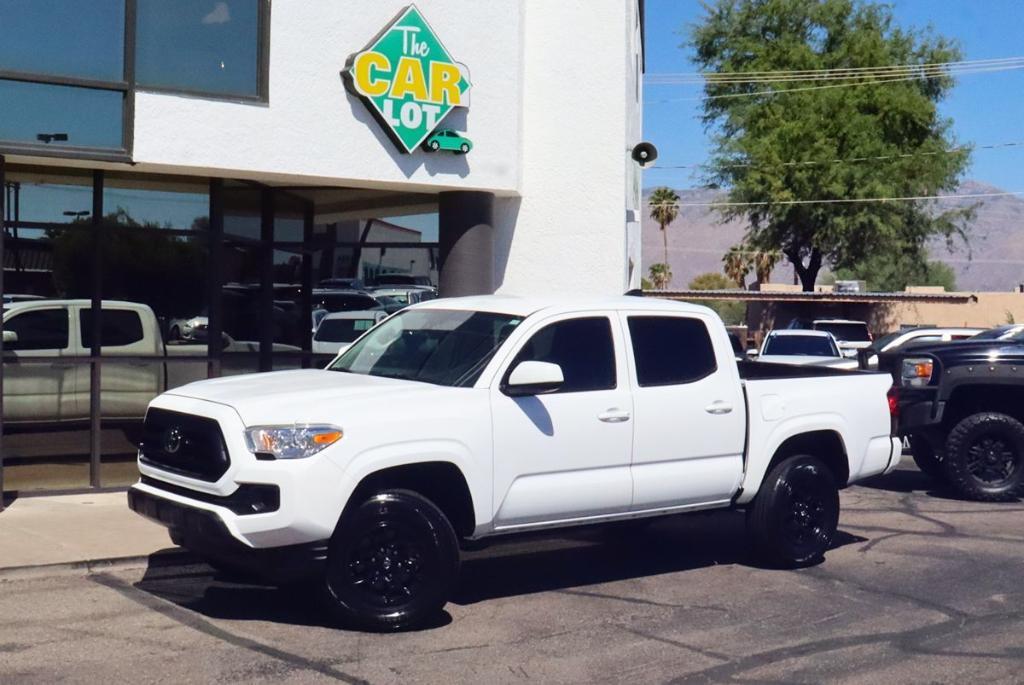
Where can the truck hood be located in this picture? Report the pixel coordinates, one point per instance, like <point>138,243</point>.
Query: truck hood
<point>308,395</point>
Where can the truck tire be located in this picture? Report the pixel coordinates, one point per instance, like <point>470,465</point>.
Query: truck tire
<point>985,457</point>
<point>392,563</point>
<point>924,456</point>
<point>795,514</point>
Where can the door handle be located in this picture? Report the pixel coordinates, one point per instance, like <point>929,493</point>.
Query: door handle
<point>718,408</point>
<point>613,416</point>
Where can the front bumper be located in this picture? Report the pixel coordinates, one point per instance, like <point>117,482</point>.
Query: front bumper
<point>204,532</point>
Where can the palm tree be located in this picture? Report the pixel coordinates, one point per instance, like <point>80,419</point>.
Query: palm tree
<point>664,209</point>
<point>736,265</point>
<point>764,262</point>
<point>661,276</point>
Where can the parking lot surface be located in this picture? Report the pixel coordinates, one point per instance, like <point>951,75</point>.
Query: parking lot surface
<point>920,588</point>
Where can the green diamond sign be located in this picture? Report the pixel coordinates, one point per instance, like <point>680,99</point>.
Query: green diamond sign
<point>408,80</point>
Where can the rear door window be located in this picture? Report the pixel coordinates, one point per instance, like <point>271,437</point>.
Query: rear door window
<point>121,327</point>
<point>40,329</point>
<point>671,350</point>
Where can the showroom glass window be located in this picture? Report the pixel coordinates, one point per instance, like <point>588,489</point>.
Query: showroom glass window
<point>200,46</point>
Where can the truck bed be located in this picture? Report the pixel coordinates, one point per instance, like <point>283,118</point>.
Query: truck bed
<point>753,370</point>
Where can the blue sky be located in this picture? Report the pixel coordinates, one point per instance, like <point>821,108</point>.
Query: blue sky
<point>987,108</point>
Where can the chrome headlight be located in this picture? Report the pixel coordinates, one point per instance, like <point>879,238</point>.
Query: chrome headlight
<point>297,441</point>
<point>916,373</point>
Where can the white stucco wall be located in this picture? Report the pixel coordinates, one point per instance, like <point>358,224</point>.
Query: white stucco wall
<point>314,132</point>
<point>567,231</point>
<point>554,114</point>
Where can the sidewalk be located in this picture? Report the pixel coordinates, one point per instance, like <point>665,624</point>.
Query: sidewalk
<point>75,530</point>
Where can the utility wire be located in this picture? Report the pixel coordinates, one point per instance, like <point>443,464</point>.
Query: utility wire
<point>781,91</point>
<point>850,160</point>
<point>835,201</point>
<point>938,68</point>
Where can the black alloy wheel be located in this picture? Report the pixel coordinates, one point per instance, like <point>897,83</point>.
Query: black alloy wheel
<point>985,457</point>
<point>392,564</point>
<point>795,515</point>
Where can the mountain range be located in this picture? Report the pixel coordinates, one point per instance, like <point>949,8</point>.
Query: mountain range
<point>992,259</point>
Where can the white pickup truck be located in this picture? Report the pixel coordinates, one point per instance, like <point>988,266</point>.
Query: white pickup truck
<point>462,419</point>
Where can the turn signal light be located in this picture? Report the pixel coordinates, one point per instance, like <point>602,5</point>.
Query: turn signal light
<point>917,372</point>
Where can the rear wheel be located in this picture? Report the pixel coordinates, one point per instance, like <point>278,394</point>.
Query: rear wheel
<point>984,458</point>
<point>925,457</point>
<point>392,564</point>
<point>795,514</point>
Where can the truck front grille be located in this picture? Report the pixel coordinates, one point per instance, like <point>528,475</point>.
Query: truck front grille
<point>189,445</point>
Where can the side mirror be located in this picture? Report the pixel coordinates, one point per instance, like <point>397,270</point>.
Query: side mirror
<point>10,337</point>
<point>753,353</point>
<point>534,378</point>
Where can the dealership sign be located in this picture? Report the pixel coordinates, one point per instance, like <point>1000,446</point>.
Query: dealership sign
<point>407,79</point>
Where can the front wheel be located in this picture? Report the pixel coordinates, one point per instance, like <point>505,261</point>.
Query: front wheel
<point>392,564</point>
<point>985,457</point>
<point>464,148</point>
<point>795,514</point>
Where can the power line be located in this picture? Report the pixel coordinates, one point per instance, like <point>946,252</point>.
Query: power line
<point>850,160</point>
<point>780,91</point>
<point>780,75</point>
<point>833,201</point>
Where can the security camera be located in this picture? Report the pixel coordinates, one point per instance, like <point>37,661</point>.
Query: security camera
<point>644,153</point>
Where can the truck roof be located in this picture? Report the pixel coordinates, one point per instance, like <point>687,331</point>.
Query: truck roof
<point>36,304</point>
<point>524,306</point>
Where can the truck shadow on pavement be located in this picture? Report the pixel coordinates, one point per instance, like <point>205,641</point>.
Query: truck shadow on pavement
<point>907,481</point>
<point>565,560</point>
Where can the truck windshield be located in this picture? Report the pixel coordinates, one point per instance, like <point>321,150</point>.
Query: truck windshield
<point>439,346</point>
<point>845,331</point>
<point>801,345</point>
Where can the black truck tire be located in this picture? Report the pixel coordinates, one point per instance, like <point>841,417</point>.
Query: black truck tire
<point>984,458</point>
<point>795,514</point>
<point>925,457</point>
<point>392,563</point>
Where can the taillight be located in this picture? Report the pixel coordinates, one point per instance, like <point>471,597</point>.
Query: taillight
<point>894,401</point>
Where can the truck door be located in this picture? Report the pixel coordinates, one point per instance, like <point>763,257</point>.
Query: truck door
<point>689,409</point>
<point>565,455</point>
<point>44,390</point>
<point>127,385</point>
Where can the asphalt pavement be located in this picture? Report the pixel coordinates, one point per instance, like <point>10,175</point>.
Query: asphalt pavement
<point>920,588</point>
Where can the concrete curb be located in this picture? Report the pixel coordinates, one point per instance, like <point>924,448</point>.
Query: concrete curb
<point>176,560</point>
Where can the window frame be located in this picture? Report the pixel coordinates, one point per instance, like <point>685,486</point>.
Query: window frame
<point>635,369</point>
<point>613,336</point>
<point>262,66</point>
<point>128,87</point>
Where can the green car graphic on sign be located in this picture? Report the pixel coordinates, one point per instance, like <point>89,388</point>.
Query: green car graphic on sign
<point>447,139</point>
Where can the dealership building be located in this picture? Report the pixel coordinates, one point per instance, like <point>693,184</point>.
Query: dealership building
<point>171,167</point>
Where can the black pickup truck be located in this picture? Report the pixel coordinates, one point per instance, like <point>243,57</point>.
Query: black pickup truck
<point>961,405</point>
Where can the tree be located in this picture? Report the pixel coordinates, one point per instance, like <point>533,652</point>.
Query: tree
<point>736,265</point>
<point>732,312</point>
<point>764,264</point>
<point>893,272</point>
<point>661,276</point>
<point>664,209</point>
<point>778,143</point>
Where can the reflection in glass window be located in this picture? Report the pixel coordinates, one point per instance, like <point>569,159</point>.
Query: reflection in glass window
<point>43,114</point>
<point>158,201</point>
<point>56,196</point>
<point>208,46</point>
<point>63,38</point>
<point>42,329</point>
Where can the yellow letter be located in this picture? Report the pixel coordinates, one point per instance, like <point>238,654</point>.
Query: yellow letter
<point>444,80</point>
<point>409,79</point>
<point>366,81</point>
